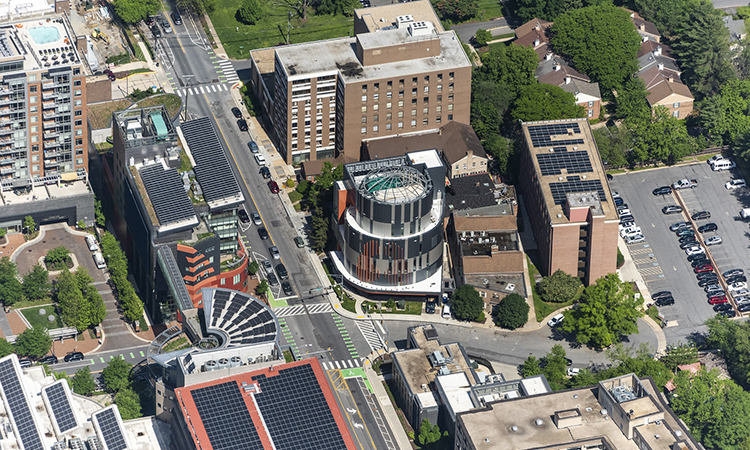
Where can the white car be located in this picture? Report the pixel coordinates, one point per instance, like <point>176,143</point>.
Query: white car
<point>556,320</point>
<point>735,184</point>
<point>737,286</point>
<point>714,158</point>
<point>624,212</point>
<point>742,300</point>
<point>694,251</point>
<point>635,239</point>
<point>573,371</point>
<point>713,240</point>
<point>615,194</point>
<point>629,231</point>
<point>740,292</point>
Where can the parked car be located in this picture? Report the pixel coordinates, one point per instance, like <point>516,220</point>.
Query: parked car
<point>256,218</point>
<point>273,186</point>
<point>299,242</point>
<point>272,279</point>
<point>619,201</point>
<point>684,184</point>
<point>700,215</point>
<point>703,268</point>
<point>627,219</point>
<point>263,233</point>
<point>253,147</point>
<point>722,307</point>
<point>733,272</point>
<point>713,240</point>
<point>741,292</point>
<point>556,320</point>
<point>700,262</point>
<point>737,286</point>
<point>714,158</point>
<point>242,214</point>
<point>671,209</point>
<point>703,276</point>
<point>621,207</point>
<point>265,172</point>
<point>267,266</point>
<point>695,250</point>
<point>665,301</point>
<point>661,294</point>
<point>624,212</point>
<point>696,257</point>
<point>744,308</point>
<point>735,184</point>
<point>110,75</point>
<point>718,299</point>
<point>25,362</point>
<point>49,360</point>
<point>429,307</point>
<point>713,287</point>
<point>237,113</point>
<point>635,239</point>
<point>572,371</point>
<point>679,225</point>
<point>281,270</point>
<point>616,195</point>
<point>287,288</point>
<point>690,238</point>
<point>708,227</point>
<point>75,356</point>
<point>150,20</point>
<point>274,251</point>
<point>689,243</point>
<point>155,31</point>
<point>663,190</point>
<point>629,231</point>
<point>686,232</point>
<point>707,282</point>
<point>728,313</point>
<point>242,124</point>
<point>736,279</point>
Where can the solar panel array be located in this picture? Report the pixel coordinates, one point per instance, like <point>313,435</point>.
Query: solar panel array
<point>164,188</point>
<point>61,409</point>
<point>211,165</point>
<point>541,135</point>
<point>226,419</point>
<point>112,433</point>
<point>573,162</point>
<point>560,190</point>
<point>296,412</point>
<point>20,411</point>
<point>244,319</point>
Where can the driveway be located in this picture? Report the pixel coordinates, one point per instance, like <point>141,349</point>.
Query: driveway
<point>497,27</point>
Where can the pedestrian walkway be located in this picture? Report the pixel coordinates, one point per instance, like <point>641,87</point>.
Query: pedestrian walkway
<point>371,335</point>
<point>226,71</point>
<point>202,89</point>
<point>299,310</point>
<point>344,364</point>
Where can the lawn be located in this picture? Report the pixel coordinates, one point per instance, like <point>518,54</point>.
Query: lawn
<point>171,101</point>
<point>414,308</point>
<point>489,9</point>
<point>542,308</point>
<point>100,114</point>
<point>273,28</point>
<point>37,320</point>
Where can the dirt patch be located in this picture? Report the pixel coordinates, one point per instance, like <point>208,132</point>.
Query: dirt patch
<point>100,114</point>
<point>12,242</point>
<point>85,21</point>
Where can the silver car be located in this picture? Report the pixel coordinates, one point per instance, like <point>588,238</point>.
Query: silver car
<point>267,266</point>
<point>275,252</point>
<point>713,240</point>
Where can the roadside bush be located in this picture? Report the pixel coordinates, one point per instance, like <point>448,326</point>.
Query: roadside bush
<point>620,258</point>
<point>558,287</point>
<point>512,312</point>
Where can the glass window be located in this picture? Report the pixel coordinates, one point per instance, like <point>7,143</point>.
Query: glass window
<point>426,89</point>
<point>414,122</point>
<point>79,161</point>
<point>388,126</point>
<point>401,124</point>
<point>401,82</point>
<point>76,103</point>
<point>389,95</point>
<point>364,130</point>
<point>400,103</point>
<point>34,119</point>
<point>450,75</point>
<point>32,76</point>
<point>32,99</point>
<point>236,279</point>
<point>364,88</point>
<point>375,107</point>
<point>440,77</point>
<point>450,107</point>
<point>591,113</point>
<point>388,105</point>
<point>413,112</point>
<point>450,116</point>
<point>438,109</point>
<point>364,98</point>
<point>676,114</point>
<point>79,122</point>
<point>400,114</point>
<point>414,102</point>
<point>76,82</point>
<point>364,119</point>
<point>414,80</point>
<point>400,93</point>
<point>32,88</point>
<point>376,97</point>
<point>79,132</point>
<point>425,110</point>
<point>591,104</point>
<point>35,128</point>
<point>375,117</point>
<point>374,128</point>
<point>390,84</point>
<point>450,86</point>
<point>439,87</point>
<point>425,121</point>
<point>78,113</point>
<point>79,141</point>
<point>376,86</point>
<point>77,93</point>
<point>388,116</point>
<point>674,105</point>
<point>364,109</point>
<point>76,71</point>
<point>438,119</point>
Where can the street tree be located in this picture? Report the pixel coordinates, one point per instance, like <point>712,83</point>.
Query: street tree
<point>456,11</point>
<point>132,11</point>
<point>29,225</point>
<point>531,367</point>
<point>482,36</point>
<point>262,288</point>
<point>82,382</point>
<point>253,267</point>
<point>600,40</point>
<point>607,310</point>
<point>558,287</point>
<point>74,308</point>
<point>128,403</point>
<point>6,348</point>
<point>36,284</point>
<point>3,232</point>
<point>545,102</point>
<point>117,374</point>
<point>512,312</point>
<point>554,366</point>
<point>466,303</point>
<point>34,342</point>
<point>251,11</point>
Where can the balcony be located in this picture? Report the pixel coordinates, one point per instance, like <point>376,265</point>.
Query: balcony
<point>6,160</point>
<point>6,131</point>
<point>52,163</point>
<point>49,95</point>
<point>50,124</point>
<point>52,153</point>
<point>5,170</point>
<point>51,133</point>
<point>5,91</point>
<point>51,84</point>
<point>6,140</point>
<point>48,104</point>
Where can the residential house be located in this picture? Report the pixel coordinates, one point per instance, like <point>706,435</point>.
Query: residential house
<point>534,33</point>
<point>660,73</point>
<point>553,70</point>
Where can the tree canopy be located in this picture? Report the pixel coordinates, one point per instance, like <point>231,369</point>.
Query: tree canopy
<point>36,284</point>
<point>558,287</point>
<point>34,342</point>
<point>661,137</point>
<point>526,10</point>
<point>6,348</point>
<point>510,65</point>
<point>116,374</point>
<point>128,403</point>
<point>11,289</point>
<point>251,11</point>
<point>607,311</point>
<point>198,7</point>
<point>97,310</point>
<point>631,101</point>
<point>727,114</point>
<point>600,40</point>
<point>540,101</point>
<point>82,382</point>
<point>334,7</point>
<point>455,11</point>
<point>669,16</point>
<point>428,433</point>
<point>132,11</point>
<point>466,303</point>
<point>75,310</point>
<point>512,312</point>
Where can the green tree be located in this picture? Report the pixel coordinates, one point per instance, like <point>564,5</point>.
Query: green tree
<point>669,17</point>
<point>661,137</point>
<point>601,41</point>
<point>36,284</point>
<point>428,433</point>
<point>702,50</point>
<point>727,114</point>
<point>481,37</point>
<point>679,355</point>
<point>607,310</point>
<point>631,101</point>
<point>11,289</point>
<point>6,348</point>
<point>3,232</point>
<point>582,379</point>
<point>117,374</point>
<point>614,144</point>
<point>545,102</point>
<point>128,403</point>
<point>262,287</point>
<point>512,312</point>
<point>511,65</point>
<point>251,11</point>
<point>29,225</point>
<point>554,366</point>
<point>337,7</point>
<point>319,230</point>
<point>132,11</point>
<point>456,11</point>
<point>75,310</point>
<point>558,287</point>
<point>34,342</point>
<point>57,257</point>
<point>531,367</point>
<point>101,221</point>
<point>466,303</point>
<point>199,7</point>
<point>253,267</point>
<point>82,382</point>
<point>489,104</point>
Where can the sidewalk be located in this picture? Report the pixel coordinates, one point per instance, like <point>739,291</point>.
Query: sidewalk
<point>376,381</point>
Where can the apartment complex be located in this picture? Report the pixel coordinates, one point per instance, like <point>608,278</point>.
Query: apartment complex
<point>399,73</point>
<point>567,198</point>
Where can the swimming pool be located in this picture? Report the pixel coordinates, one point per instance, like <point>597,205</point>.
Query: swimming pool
<point>44,35</point>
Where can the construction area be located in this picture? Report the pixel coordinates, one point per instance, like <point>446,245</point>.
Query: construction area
<point>95,20</point>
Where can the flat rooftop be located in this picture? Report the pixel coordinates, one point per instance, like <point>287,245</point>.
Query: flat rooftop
<point>340,54</point>
<point>382,17</point>
<point>566,160</point>
<point>41,43</point>
<point>13,10</point>
<point>51,191</point>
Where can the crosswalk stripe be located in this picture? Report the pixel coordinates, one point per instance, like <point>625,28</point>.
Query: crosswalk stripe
<point>224,86</point>
<point>213,88</point>
<point>202,90</point>
<point>190,90</point>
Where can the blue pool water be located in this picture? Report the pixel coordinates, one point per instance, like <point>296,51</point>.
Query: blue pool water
<point>44,35</point>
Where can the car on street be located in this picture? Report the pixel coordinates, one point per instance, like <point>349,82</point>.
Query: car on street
<point>671,209</point>
<point>256,218</point>
<point>429,307</point>
<point>155,31</point>
<point>713,240</point>
<point>49,360</point>
<point>718,299</point>
<point>299,242</point>
<point>287,288</point>
<point>267,266</point>
<point>165,24</point>
<point>663,190</point>
<point>237,113</point>
<point>733,272</point>
<point>265,172</point>
<point>274,251</point>
<point>700,215</point>
<point>263,233</point>
<point>176,18</point>
<point>703,268</point>
<point>735,184</point>
<point>695,250</point>
<point>110,75</point>
<point>272,279</point>
<point>556,320</point>
<point>678,225</point>
<point>242,214</point>
<point>273,186</point>
<point>722,307</point>
<point>253,147</point>
<point>281,270</point>
<point>242,124</point>
<point>74,356</point>
<point>686,232</point>
<point>708,227</point>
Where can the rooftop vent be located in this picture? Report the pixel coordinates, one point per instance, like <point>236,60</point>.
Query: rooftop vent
<point>514,428</point>
<point>603,412</point>
<point>420,28</point>
<point>403,21</point>
<point>539,422</point>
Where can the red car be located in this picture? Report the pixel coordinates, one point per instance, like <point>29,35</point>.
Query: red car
<point>273,186</point>
<point>717,299</point>
<point>703,268</point>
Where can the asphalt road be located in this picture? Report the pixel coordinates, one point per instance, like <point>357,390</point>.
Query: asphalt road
<point>496,27</point>
<point>662,263</point>
<point>719,4</point>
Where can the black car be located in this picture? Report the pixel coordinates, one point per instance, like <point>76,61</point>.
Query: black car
<point>263,233</point>
<point>150,20</point>
<point>706,276</point>
<point>728,313</point>
<point>744,307</point>
<point>665,301</point>
<point>627,219</point>
<point>696,257</point>
<point>299,242</point>
<point>661,294</point>
<point>707,281</point>
<point>272,280</point>
<point>287,288</point>
<point>75,356</point>
<point>242,124</point>
<point>664,190</point>
<point>155,31</point>
<point>722,307</point>
<point>242,214</point>
<point>49,360</point>
<point>237,113</point>
<point>736,279</point>
<point>700,215</point>
<point>619,201</point>
<point>176,18</point>
<point>700,262</point>
<point>281,270</point>
<point>671,209</point>
<point>686,232</point>
<point>733,272</point>
<point>708,227</point>
<point>684,239</point>
<point>429,307</point>
<point>265,172</point>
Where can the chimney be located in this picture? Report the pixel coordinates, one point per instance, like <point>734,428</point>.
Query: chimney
<point>556,67</point>
<point>644,39</point>
<point>657,52</point>
<point>537,26</point>
<point>567,79</point>
<point>671,79</point>
<point>548,56</point>
<point>660,66</point>
<point>537,42</point>
<point>642,27</point>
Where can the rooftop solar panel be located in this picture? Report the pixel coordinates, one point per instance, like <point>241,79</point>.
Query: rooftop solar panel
<point>573,162</point>
<point>220,187</point>
<point>112,433</point>
<point>20,411</point>
<point>168,197</point>
<point>541,135</point>
<point>225,417</point>
<point>296,412</point>
<point>560,190</point>
<point>62,412</point>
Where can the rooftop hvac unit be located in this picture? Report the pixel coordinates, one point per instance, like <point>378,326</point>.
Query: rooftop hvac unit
<point>210,366</point>
<point>235,361</point>
<point>76,444</point>
<point>223,363</point>
<point>60,445</point>
<point>94,444</point>
<point>405,20</point>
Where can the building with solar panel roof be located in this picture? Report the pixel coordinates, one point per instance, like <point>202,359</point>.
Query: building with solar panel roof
<point>178,227</point>
<point>38,412</point>
<point>568,200</point>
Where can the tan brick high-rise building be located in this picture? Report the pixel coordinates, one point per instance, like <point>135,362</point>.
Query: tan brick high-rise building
<point>567,198</point>
<point>400,73</point>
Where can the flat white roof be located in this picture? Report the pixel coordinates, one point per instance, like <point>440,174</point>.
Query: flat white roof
<point>427,399</point>
<point>456,388</point>
<point>534,386</point>
<point>430,158</point>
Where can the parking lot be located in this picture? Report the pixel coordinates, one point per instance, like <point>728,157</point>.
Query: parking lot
<point>660,260</point>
